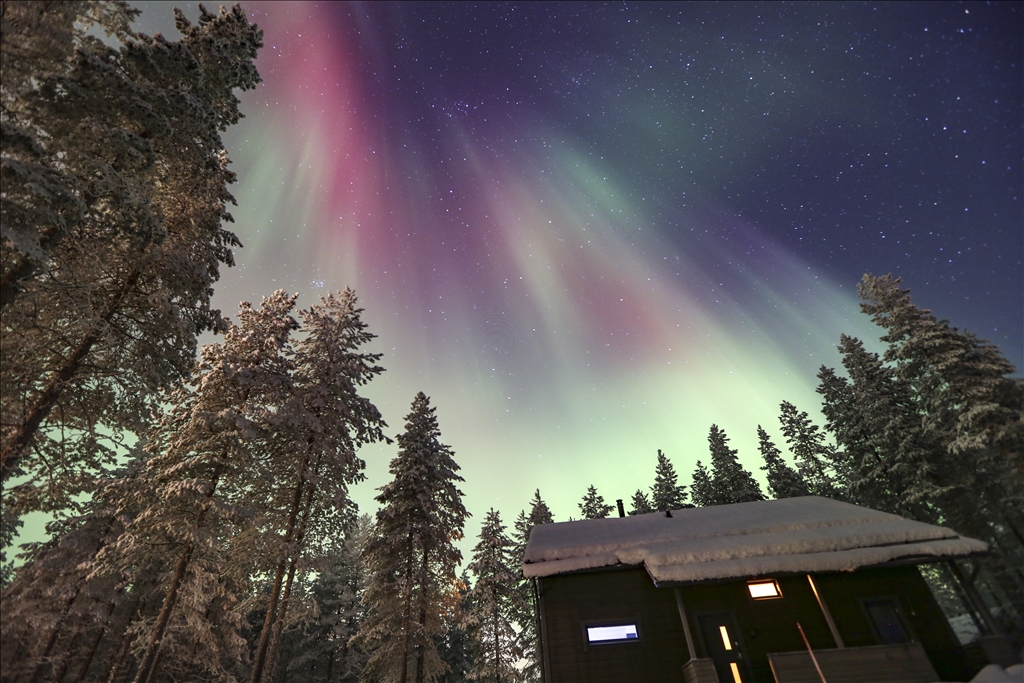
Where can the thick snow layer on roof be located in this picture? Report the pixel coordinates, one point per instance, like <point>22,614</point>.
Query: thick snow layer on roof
<point>793,535</point>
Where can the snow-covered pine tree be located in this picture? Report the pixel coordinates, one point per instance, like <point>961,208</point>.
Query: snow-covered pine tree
<point>971,404</point>
<point>530,635</point>
<point>411,557</point>
<point>497,606</point>
<point>192,506</point>
<point>640,504</point>
<point>730,482</point>
<point>897,456</point>
<point>54,608</point>
<point>318,650</point>
<point>965,383</point>
<point>115,186</point>
<point>783,480</point>
<point>312,448</point>
<point>907,467</point>
<point>666,494</point>
<point>702,492</point>
<point>811,450</point>
<point>456,646</point>
<point>593,506</point>
<point>932,424</point>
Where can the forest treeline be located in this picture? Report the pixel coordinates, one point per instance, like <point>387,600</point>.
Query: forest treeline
<point>202,525</point>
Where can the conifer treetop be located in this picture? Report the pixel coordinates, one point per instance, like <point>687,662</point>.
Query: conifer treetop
<point>593,506</point>
<point>730,481</point>
<point>640,504</point>
<point>666,494</point>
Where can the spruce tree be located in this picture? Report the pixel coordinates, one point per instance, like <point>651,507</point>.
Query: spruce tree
<point>640,504</point>
<point>933,429</point>
<point>539,511</point>
<point>456,646</point>
<point>411,557</point>
<point>730,482</point>
<point>703,491</point>
<point>319,649</point>
<point>666,494</point>
<point>497,606</point>
<point>529,635</point>
<point>809,446</point>
<point>593,506</point>
<point>783,480</point>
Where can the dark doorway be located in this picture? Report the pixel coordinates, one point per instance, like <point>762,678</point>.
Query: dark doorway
<point>723,647</point>
<point>884,614</point>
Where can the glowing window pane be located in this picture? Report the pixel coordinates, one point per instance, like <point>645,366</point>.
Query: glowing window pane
<point>598,634</point>
<point>725,637</point>
<point>763,589</point>
<point>735,673</point>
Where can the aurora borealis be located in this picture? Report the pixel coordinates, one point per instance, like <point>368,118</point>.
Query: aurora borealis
<point>589,231</point>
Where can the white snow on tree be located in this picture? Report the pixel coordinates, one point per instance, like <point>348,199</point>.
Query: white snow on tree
<point>497,605</point>
<point>115,192</point>
<point>411,557</point>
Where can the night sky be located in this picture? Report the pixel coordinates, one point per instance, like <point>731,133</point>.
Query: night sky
<point>589,231</point>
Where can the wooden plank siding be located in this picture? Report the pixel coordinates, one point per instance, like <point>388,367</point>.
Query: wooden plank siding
<point>570,602</point>
<point>876,664</point>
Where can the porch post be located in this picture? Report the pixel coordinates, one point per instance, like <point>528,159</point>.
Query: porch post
<point>975,598</point>
<point>828,615</point>
<point>686,623</point>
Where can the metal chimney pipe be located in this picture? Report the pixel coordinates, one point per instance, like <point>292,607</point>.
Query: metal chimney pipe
<point>622,512</point>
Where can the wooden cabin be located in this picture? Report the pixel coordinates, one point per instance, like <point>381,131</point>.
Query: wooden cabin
<point>744,593</point>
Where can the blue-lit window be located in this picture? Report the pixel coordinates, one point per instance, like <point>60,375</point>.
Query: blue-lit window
<point>619,633</point>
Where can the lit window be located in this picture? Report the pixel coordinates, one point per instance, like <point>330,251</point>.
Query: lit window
<point>764,590</point>
<point>606,634</point>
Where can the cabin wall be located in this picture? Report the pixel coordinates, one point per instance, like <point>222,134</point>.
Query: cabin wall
<point>570,602</point>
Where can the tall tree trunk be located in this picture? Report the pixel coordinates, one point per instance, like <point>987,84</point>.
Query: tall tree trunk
<point>43,663</point>
<point>403,672</point>
<point>330,667</point>
<point>92,651</point>
<point>153,646</point>
<point>121,653</point>
<point>52,640</point>
<point>275,642</point>
<point>47,399</point>
<point>497,649</point>
<point>421,648</point>
<point>260,660</point>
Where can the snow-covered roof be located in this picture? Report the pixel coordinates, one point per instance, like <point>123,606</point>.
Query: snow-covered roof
<point>792,535</point>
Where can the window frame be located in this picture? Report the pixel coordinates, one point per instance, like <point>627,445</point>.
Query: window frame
<point>778,589</point>
<point>605,623</point>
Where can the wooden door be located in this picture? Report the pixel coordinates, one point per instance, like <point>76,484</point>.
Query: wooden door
<point>724,648</point>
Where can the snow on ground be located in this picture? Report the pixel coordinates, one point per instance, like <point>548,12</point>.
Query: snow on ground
<point>809,534</point>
